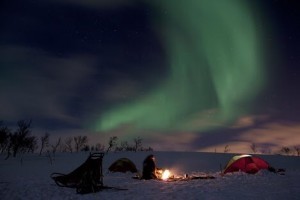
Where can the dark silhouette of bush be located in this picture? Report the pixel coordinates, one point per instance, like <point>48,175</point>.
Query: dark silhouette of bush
<point>4,137</point>
<point>21,140</point>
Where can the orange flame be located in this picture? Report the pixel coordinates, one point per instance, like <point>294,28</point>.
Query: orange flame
<point>166,174</point>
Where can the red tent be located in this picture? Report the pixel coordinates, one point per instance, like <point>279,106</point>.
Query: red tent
<point>246,163</point>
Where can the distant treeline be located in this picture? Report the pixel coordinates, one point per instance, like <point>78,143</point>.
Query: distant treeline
<point>262,149</point>
<point>21,141</point>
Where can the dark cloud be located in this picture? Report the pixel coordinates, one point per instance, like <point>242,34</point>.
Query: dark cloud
<point>66,62</point>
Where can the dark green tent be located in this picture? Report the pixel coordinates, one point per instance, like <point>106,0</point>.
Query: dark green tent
<point>123,165</point>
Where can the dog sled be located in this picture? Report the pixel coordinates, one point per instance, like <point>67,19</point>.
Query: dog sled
<point>87,178</point>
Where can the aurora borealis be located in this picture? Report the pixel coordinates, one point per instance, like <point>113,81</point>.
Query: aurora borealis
<point>213,54</point>
<point>188,75</point>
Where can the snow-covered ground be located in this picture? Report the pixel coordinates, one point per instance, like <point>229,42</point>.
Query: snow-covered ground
<point>28,178</point>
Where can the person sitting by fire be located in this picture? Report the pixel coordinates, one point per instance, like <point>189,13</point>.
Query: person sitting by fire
<point>149,168</point>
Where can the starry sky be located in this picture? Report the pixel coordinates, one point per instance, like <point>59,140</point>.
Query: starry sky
<point>182,75</point>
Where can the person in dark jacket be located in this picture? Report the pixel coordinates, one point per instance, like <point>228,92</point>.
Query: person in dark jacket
<point>149,168</point>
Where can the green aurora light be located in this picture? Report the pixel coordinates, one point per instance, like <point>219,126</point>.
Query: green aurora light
<point>215,67</point>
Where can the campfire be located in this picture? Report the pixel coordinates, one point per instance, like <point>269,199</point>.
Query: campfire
<point>165,175</point>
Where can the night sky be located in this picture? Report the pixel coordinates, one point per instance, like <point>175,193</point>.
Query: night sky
<point>182,75</point>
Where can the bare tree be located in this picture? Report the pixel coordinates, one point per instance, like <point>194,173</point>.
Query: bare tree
<point>20,139</point>
<point>137,143</point>
<point>56,145</point>
<point>4,137</point>
<point>286,150</point>
<point>150,149</point>
<point>226,149</point>
<point>253,147</point>
<point>49,156</point>
<point>68,144</point>
<point>124,145</point>
<point>297,149</point>
<point>9,146</point>
<point>86,148</point>
<point>44,142</point>
<point>80,142</point>
<point>112,143</point>
<point>30,144</point>
<point>99,147</point>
